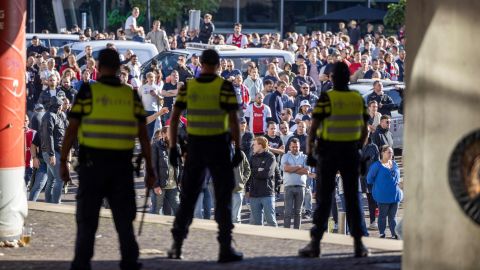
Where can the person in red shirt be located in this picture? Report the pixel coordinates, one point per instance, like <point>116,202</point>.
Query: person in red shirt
<point>29,133</point>
<point>356,64</point>
<point>257,114</point>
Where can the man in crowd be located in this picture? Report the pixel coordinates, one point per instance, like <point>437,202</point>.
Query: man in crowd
<point>300,134</point>
<point>149,93</point>
<point>382,135</point>
<point>195,66</point>
<point>261,185</point>
<point>295,173</point>
<point>36,46</point>
<point>158,37</point>
<point>275,103</point>
<point>237,38</point>
<point>253,82</point>
<point>384,101</point>
<point>206,28</point>
<point>360,73</point>
<point>242,174</point>
<point>52,133</point>
<point>257,114</point>
<point>287,116</point>
<point>306,94</point>
<point>246,138</point>
<point>131,28</point>
<point>169,93</point>
<point>51,91</point>
<point>302,78</point>
<point>230,72</point>
<point>184,72</point>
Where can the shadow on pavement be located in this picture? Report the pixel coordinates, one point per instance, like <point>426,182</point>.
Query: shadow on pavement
<point>264,263</point>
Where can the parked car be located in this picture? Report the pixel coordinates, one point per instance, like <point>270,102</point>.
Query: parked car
<point>52,40</point>
<point>393,89</point>
<point>167,60</point>
<point>144,51</point>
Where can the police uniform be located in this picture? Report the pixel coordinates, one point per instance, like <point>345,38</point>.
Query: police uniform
<point>109,115</point>
<point>342,115</point>
<point>208,101</point>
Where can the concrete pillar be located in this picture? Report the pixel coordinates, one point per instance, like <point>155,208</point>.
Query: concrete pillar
<point>442,106</point>
<point>13,198</point>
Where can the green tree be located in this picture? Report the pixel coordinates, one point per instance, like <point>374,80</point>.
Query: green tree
<point>395,16</point>
<point>174,10</point>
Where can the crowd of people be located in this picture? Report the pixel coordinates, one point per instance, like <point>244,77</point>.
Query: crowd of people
<point>276,112</point>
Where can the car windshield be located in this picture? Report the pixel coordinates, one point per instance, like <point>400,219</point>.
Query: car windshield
<point>167,61</point>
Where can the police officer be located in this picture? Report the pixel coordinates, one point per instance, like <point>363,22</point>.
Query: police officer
<point>212,125</point>
<point>343,117</point>
<point>107,117</point>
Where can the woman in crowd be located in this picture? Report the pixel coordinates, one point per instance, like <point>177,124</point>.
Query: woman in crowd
<point>384,175</point>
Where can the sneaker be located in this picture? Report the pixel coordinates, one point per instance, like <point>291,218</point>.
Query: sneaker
<point>382,235</point>
<point>395,237</point>
<point>373,226</point>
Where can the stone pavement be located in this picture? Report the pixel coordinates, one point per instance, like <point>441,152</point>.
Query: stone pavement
<point>54,233</point>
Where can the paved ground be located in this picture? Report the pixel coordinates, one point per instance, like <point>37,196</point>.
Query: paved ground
<point>53,240</point>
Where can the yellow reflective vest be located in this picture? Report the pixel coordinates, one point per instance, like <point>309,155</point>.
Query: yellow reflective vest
<point>345,122</point>
<point>111,124</point>
<point>205,116</point>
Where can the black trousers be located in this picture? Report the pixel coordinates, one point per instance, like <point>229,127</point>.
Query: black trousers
<point>110,176</point>
<point>212,152</point>
<point>333,157</point>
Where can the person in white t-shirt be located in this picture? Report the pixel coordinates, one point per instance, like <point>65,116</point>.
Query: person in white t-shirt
<point>150,94</point>
<point>131,28</point>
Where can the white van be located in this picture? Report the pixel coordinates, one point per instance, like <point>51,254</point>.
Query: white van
<point>144,51</point>
<point>52,40</point>
<point>241,57</point>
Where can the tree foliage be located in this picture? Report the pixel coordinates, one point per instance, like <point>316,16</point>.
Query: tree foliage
<point>395,16</point>
<point>169,10</point>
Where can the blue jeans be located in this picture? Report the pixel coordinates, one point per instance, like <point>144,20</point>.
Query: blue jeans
<point>387,210</point>
<point>308,199</point>
<point>237,199</point>
<point>262,205</point>
<point>54,172</point>
<point>203,206</point>
<point>40,182</point>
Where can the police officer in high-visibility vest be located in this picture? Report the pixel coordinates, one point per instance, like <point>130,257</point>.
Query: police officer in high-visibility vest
<point>212,113</point>
<point>107,116</point>
<point>339,128</point>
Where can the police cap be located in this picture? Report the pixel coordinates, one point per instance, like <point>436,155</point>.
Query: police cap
<point>109,58</point>
<point>210,57</point>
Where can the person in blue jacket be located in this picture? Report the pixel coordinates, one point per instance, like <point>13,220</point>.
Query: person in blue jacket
<point>384,175</point>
